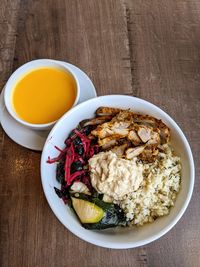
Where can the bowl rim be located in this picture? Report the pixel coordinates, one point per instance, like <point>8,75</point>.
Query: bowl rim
<point>165,229</point>
<point>23,70</point>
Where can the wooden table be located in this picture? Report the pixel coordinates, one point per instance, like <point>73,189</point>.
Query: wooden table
<point>149,49</point>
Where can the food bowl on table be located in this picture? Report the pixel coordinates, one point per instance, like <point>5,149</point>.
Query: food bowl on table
<point>119,237</point>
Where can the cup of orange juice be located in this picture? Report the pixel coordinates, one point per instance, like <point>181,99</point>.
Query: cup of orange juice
<point>39,92</point>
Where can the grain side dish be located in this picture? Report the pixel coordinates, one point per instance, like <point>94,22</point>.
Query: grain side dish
<point>118,169</point>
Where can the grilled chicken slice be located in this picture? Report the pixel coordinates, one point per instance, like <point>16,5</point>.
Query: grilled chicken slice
<point>95,121</point>
<point>155,123</point>
<point>107,111</point>
<point>134,151</point>
<point>119,150</point>
<point>164,132</point>
<point>124,115</point>
<point>155,138</point>
<point>109,144</point>
<point>107,140</point>
<point>144,120</point>
<point>134,138</point>
<point>109,128</point>
<point>112,143</point>
<point>144,133</point>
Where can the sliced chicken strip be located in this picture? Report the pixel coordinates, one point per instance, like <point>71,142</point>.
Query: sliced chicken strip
<point>119,150</point>
<point>155,139</point>
<point>102,111</point>
<point>112,143</point>
<point>109,128</point>
<point>109,144</point>
<point>144,133</point>
<point>155,123</point>
<point>134,151</point>
<point>106,140</point>
<point>164,132</point>
<point>95,121</point>
<point>144,120</point>
<point>134,138</point>
<point>124,115</point>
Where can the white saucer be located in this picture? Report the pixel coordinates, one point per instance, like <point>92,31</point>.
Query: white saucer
<point>35,139</point>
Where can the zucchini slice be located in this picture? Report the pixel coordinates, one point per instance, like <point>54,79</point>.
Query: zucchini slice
<point>87,212</point>
<point>96,214</point>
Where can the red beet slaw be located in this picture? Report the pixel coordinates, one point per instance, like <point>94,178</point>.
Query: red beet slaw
<point>73,160</point>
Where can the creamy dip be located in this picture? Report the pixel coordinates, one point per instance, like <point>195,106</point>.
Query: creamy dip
<point>114,176</point>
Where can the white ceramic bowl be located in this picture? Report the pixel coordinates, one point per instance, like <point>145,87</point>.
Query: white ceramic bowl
<point>32,65</point>
<point>119,238</point>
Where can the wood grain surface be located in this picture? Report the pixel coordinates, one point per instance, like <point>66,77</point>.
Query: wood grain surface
<point>150,49</point>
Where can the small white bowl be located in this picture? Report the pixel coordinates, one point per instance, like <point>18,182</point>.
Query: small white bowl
<point>32,65</point>
<point>118,238</point>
